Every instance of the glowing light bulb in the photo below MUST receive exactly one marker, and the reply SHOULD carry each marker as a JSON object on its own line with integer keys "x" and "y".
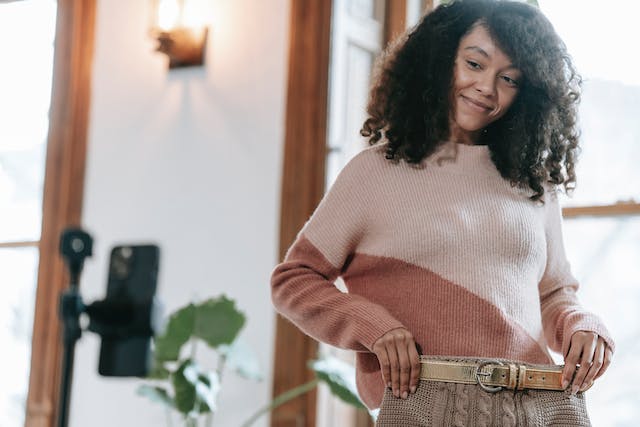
{"x": 193, "y": 14}
{"x": 168, "y": 14}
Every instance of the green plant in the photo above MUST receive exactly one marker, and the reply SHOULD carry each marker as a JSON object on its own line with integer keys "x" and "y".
{"x": 177, "y": 380}
{"x": 182, "y": 385}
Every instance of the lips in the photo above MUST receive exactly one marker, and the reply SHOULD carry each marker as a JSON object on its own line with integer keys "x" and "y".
{"x": 477, "y": 105}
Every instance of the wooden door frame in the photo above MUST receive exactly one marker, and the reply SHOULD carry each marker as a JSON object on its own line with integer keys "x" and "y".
{"x": 62, "y": 197}
{"x": 303, "y": 177}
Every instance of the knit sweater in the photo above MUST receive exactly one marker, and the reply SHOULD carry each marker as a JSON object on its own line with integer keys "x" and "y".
{"x": 447, "y": 249}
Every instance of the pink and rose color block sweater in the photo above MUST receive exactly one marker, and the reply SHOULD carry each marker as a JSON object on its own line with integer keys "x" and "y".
{"x": 448, "y": 250}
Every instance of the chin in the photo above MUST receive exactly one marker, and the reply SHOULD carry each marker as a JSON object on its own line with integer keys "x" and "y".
{"x": 472, "y": 127}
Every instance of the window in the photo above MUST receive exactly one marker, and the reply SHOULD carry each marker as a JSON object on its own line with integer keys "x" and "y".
{"x": 24, "y": 108}
{"x": 602, "y": 219}
{"x": 357, "y": 35}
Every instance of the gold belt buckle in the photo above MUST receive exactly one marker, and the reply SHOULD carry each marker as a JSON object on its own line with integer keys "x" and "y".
{"x": 488, "y": 388}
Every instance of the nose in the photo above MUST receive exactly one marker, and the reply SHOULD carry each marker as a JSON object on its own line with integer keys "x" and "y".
{"x": 486, "y": 85}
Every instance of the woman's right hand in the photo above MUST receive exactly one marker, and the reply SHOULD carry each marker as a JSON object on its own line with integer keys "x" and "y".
{"x": 399, "y": 361}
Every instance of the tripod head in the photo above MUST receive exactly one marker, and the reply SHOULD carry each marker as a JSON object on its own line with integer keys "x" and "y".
{"x": 75, "y": 246}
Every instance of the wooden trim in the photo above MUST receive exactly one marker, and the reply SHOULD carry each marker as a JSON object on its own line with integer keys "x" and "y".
{"x": 395, "y": 19}
{"x": 26, "y": 244}
{"x": 427, "y": 6}
{"x": 618, "y": 209}
{"x": 303, "y": 183}
{"x": 62, "y": 201}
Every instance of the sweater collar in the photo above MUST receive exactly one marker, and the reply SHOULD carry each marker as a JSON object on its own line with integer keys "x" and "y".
{"x": 462, "y": 158}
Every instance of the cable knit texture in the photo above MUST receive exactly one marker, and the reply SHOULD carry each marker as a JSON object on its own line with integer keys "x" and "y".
{"x": 448, "y": 249}
{"x": 437, "y": 404}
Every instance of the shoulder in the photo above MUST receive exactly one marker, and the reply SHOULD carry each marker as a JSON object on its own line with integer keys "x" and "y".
{"x": 371, "y": 154}
{"x": 551, "y": 194}
{"x": 367, "y": 163}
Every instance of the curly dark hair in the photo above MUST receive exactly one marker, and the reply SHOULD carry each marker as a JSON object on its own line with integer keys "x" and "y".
{"x": 410, "y": 101}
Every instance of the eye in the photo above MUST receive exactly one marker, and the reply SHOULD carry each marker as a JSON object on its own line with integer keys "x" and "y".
{"x": 473, "y": 65}
{"x": 510, "y": 81}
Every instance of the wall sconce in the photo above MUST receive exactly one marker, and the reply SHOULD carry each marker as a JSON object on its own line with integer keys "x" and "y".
{"x": 179, "y": 28}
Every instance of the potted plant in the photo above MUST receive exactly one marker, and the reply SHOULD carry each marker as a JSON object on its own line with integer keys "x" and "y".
{"x": 189, "y": 390}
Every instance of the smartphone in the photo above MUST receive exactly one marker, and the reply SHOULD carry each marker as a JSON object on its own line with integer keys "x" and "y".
{"x": 132, "y": 281}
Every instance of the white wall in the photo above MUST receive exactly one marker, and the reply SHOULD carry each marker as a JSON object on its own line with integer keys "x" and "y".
{"x": 190, "y": 159}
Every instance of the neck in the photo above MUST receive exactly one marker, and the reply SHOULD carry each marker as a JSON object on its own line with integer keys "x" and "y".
{"x": 462, "y": 136}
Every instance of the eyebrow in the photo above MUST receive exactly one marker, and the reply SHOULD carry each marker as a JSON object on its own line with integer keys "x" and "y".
{"x": 482, "y": 52}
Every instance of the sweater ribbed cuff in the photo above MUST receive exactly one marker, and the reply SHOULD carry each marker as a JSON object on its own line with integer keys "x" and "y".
{"x": 584, "y": 321}
{"x": 374, "y": 322}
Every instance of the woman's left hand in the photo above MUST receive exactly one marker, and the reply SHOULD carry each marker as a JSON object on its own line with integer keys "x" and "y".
{"x": 594, "y": 356}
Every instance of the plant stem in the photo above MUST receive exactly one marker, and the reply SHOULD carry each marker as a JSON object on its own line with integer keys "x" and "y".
{"x": 222, "y": 359}
{"x": 221, "y": 362}
{"x": 194, "y": 343}
{"x": 282, "y": 398}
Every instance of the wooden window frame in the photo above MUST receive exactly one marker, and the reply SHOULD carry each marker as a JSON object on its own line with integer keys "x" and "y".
{"x": 395, "y": 18}
{"x": 602, "y": 211}
{"x": 62, "y": 197}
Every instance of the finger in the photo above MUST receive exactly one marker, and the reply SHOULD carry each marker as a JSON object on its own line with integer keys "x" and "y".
{"x": 608, "y": 355}
{"x": 394, "y": 368}
{"x": 570, "y": 362}
{"x": 385, "y": 366}
{"x": 414, "y": 357}
{"x": 598, "y": 359}
{"x": 404, "y": 364}
{"x": 588, "y": 349}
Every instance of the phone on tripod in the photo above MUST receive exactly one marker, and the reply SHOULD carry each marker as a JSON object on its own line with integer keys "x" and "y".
{"x": 132, "y": 281}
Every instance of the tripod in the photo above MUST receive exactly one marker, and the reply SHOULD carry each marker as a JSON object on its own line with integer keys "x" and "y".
{"x": 75, "y": 246}
{"x": 125, "y": 320}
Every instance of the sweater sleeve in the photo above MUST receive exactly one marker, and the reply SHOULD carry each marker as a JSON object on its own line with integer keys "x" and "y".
{"x": 302, "y": 286}
{"x": 562, "y": 314}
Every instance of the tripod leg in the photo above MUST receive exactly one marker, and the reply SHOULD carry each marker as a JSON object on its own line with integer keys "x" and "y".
{"x": 70, "y": 308}
{"x": 65, "y": 383}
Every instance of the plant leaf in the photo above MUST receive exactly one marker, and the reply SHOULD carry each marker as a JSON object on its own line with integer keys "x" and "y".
{"x": 241, "y": 358}
{"x": 218, "y": 321}
{"x": 179, "y": 329}
{"x": 156, "y": 394}
{"x": 185, "y": 398}
{"x": 340, "y": 377}
{"x": 206, "y": 387}
{"x": 158, "y": 371}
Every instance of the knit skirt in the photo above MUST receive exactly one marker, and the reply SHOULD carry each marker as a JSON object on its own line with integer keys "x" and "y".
{"x": 447, "y": 404}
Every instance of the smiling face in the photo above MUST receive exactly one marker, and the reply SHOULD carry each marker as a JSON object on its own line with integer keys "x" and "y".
{"x": 485, "y": 84}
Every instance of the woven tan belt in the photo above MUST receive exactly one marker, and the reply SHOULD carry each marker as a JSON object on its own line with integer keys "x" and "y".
{"x": 494, "y": 375}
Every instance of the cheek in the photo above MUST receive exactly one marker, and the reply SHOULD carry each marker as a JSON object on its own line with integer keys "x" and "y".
{"x": 506, "y": 100}
{"x": 462, "y": 80}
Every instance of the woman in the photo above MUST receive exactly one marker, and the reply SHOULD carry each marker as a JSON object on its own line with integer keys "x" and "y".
{"x": 447, "y": 231}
